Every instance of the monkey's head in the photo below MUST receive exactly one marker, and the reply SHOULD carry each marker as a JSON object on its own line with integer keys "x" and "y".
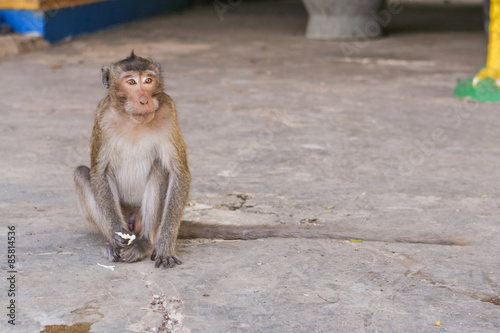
{"x": 134, "y": 85}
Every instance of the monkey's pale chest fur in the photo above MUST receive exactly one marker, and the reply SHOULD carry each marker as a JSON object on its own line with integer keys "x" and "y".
{"x": 131, "y": 166}
{"x": 135, "y": 151}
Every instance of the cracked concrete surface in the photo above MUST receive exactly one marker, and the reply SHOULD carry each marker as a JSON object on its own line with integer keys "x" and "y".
{"x": 280, "y": 130}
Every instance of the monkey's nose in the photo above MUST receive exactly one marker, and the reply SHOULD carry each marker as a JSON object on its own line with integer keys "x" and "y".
{"x": 144, "y": 102}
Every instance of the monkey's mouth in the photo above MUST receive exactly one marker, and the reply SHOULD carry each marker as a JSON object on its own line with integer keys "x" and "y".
{"x": 143, "y": 117}
{"x": 142, "y": 114}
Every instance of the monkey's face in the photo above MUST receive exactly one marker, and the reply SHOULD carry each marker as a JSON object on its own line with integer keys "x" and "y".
{"x": 139, "y": 88}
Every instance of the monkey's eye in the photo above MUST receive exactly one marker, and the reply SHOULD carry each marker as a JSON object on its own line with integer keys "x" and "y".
{"x": 148, "y": 80}
{"x": 131, "y": 81}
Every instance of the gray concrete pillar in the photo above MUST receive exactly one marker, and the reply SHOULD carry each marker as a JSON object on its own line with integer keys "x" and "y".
{"x": 342, "y": 19}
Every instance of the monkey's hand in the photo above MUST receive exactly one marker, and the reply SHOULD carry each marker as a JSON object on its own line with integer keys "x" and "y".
{"x": 165, "y": 260}
{"x": 136, "y": 251}
{"x": 130, "y": 251}
{"x": 112, "y": 252}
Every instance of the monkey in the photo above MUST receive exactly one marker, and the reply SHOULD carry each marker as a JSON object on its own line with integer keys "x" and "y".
{"x": 139, "y": 180}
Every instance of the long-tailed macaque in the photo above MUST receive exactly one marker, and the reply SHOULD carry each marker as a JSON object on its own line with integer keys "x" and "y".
{"x": 138, "y": 181}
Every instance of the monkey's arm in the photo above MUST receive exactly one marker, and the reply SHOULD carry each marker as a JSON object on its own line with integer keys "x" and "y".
{"x": 175, "y": 200}
{"x": 176, "y": 168}
{"x": 102, "y": 180}
{"x": 106, "y": 194}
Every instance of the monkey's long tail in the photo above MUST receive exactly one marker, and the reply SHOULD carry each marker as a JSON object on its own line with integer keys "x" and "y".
{"x": 194, "y": 230}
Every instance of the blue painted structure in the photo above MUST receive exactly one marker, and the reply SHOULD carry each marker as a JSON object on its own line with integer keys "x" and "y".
{"x": 58, "y": 24}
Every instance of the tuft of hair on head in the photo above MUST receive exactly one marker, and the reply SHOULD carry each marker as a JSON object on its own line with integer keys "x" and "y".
{"x": 131, "y": 57}
{"x": 137, "y": 64}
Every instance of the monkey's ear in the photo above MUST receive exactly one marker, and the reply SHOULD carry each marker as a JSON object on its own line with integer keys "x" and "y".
{"x": 105, "y": 72}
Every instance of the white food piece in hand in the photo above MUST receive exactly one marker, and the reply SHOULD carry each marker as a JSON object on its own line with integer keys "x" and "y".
{"x": 125, "y": 236}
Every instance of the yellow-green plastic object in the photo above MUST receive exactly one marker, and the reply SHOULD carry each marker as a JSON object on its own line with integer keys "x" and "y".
{"x": 485, "y": 85}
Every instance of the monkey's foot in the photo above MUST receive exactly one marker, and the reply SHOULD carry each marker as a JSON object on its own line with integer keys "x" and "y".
{"x": 165, "y": 261}
{"x": 135, "y": 252}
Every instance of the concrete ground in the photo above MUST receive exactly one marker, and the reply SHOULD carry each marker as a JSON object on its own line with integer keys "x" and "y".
{"x": 280, "y": 129}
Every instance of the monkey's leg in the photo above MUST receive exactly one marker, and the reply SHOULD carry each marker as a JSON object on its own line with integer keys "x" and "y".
{"x": 101, "y": 193}
{"x": 87, "y": 202}
{"x": 91, "y": 210}
{"x": 175, "y": 201}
